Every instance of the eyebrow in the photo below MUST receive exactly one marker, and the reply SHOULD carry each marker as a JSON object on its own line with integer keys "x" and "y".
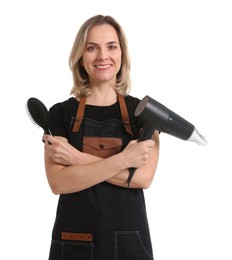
{"x": 108, "y": 43}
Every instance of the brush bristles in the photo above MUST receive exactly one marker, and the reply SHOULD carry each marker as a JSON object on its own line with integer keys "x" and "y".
{"x": 30, "y": 116}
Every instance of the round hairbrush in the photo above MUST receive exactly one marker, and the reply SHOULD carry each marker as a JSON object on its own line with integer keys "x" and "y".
{"x": 38, "y": 113}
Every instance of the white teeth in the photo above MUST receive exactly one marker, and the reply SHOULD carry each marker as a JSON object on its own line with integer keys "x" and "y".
{"x": 103, "y": 66}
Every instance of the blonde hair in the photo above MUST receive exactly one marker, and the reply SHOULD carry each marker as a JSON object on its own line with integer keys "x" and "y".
{"x": 80, "y": 77}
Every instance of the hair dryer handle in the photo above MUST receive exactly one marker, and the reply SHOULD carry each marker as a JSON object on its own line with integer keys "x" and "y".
{"x": 147, "y": 133}
{"x": 131, "y": 174}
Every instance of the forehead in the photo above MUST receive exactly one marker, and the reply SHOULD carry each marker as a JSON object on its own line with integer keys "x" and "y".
{"x": 102, "y": 34}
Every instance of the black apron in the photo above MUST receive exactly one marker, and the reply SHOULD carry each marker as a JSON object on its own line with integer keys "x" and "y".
{"x": 104, "y": 222}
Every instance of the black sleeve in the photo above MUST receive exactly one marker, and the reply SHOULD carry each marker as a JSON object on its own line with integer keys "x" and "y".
{"x": 56, "y": 120}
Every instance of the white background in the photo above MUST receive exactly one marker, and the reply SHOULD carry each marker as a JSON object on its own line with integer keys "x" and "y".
{"x": 181, "y": 56}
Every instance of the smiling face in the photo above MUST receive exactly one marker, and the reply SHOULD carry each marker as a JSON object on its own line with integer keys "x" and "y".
{"x": 102, "y": 55}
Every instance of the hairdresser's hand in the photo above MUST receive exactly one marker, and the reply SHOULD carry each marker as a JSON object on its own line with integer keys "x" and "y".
{"x": 136, "y": 154}
{"x": 60, "y": 150}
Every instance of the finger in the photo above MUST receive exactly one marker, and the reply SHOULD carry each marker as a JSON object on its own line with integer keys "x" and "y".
{"x": 50, "y": 139}
{"x": 48, "y": 142}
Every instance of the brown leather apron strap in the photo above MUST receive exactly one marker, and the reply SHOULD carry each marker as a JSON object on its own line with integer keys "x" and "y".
{"x": 123, "y": 108}
{"x": 80, "y": 114}
{"x": 124, "y": 113}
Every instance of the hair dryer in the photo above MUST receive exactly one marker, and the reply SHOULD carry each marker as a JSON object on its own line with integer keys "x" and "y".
{"x": 155, "y": 116}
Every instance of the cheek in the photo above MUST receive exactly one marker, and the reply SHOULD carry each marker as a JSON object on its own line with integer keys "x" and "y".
{"x": 86, "y": 63}
{"x": 87, "y": 58}
{"x": 119, "y": 64}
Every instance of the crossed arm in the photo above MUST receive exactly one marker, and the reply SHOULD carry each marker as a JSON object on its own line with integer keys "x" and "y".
{"x": 69, "y": 170}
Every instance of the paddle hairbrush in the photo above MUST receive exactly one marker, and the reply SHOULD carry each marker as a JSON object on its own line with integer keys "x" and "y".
{"x": 38, "y": 114}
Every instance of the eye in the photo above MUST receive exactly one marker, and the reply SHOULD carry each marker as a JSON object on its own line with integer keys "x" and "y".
{"x": 112, "y": 47}
{"x": 91, "y": 48}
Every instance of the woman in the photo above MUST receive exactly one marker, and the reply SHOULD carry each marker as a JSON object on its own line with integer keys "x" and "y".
{"x": 94, "y": 143}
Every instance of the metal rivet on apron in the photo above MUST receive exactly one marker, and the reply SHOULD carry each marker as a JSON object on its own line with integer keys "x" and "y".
{"x": 101, "y": 146}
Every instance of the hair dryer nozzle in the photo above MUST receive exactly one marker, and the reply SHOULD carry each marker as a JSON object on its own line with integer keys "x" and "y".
{"x": 197, "y": 138}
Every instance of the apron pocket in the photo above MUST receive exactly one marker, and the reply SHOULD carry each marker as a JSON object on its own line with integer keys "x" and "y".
{"x": 67, "y": 250}
{"x": 125, "y": 242}
{"x": 103, "y": 147}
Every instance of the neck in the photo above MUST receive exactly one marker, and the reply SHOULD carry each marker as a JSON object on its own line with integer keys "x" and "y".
{"x": 100, "y": 97}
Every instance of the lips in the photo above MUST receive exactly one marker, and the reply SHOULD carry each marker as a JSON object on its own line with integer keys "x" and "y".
{"x": 102, "y": 67}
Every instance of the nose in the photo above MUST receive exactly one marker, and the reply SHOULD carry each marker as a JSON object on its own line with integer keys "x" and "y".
{"x": 102, "y": 54}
